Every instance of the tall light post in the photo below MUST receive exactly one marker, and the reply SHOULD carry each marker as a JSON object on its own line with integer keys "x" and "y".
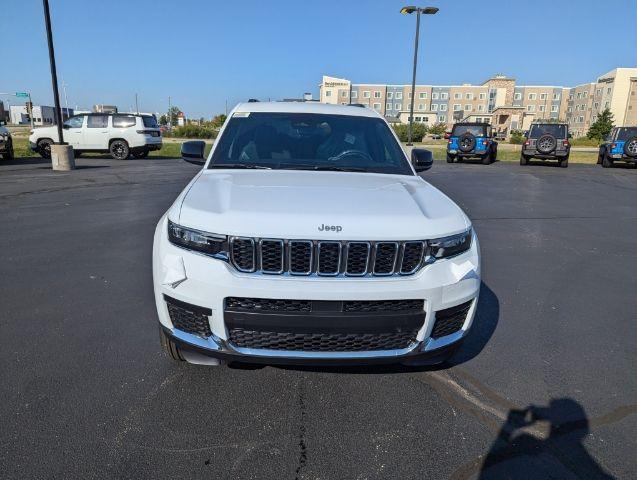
{"x": 418, "y": 11}
{"x": 61, "y": 153}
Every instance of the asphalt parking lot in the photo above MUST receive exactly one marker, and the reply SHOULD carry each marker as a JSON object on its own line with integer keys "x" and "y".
{"x": 87, "y": 392}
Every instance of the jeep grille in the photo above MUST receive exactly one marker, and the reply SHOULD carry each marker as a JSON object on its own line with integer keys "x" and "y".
{"x": 326, "y": 258}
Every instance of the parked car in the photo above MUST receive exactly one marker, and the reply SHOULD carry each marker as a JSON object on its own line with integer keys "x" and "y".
{"x": 120, "y": 134}
{"x": 436, "y": 136}
{"x": 308, "y": 236}
{"x": 500, "y": 136}
{"x": 621, "y": 144}
{"x": 472, "y": 140}
{"x": 6, "y": 143}
{"x": 547, "y": 141}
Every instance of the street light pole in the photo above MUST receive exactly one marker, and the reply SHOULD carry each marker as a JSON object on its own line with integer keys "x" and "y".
{"x": 62, "y": 157}
{"x": 54, "y": 75}
{"x": 418, "y": 11}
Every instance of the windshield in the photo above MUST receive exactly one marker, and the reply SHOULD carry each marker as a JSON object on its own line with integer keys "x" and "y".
{"x": 309, "y": 141}
{"x": 558, "y": 131}
{"x": 626, "y": 133}
{"x": 475, "y": 130}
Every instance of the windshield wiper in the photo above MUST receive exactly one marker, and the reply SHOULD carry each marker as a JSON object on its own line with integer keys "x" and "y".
{"x": 325, "y": 168}
{"x": 240, "y": 165}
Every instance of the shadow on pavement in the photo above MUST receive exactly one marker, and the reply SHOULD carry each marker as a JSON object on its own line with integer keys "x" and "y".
{"x": 484, "y": 324}
{"x": 26, "y": 161}
{"x": 523, "y": 449}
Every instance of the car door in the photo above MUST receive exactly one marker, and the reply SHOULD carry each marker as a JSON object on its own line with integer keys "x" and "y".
{"x": 96, "y": 132}
{"x": 73, "y": 131}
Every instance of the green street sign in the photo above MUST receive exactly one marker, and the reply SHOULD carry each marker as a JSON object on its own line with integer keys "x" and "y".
{"x": 21, "y": 94}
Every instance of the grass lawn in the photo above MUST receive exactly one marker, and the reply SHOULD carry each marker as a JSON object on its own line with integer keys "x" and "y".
{"x": 172, "y": 147}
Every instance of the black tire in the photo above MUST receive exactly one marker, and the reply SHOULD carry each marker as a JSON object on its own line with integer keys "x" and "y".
{"x": 546, "y": 144}
{"x": 119, "y": 149}
{"x": 600, "y": 156}
{"x": 141, "y": 153}
{"x": 450, "y": 158}
{"x": 564, "y": 162}
{"x": 486, "y": 160}
{"x": 466, "y": 142}
{"x": 44, "y": 147}
{"x": 607, "y": 162}
{"x": 524, "y": 160}
{"x": 170, "y": 347}
{"x": 9, "y": 153}
{"x": 630, "y": 147}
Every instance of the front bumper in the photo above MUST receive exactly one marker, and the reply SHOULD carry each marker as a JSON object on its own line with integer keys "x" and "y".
{"x": 206, "y": 282}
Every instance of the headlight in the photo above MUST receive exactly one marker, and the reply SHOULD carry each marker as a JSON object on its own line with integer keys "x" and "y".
{"x": 208, "y": 243}
{"x": 450, "y": 246}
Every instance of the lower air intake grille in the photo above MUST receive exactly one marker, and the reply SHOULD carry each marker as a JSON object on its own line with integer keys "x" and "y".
{"x": 366, "y": 306}
{"x": 321, "y": 342}
{"x": 450, "y": 320}
{"x": 267, "y": 305}
{"x": 188, "y": 318}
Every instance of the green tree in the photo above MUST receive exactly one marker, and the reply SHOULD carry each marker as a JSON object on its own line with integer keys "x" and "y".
{"x": 438, "y": 129}
{"x": 163, "y": 120}
{"x": 402, "y": 130}
{"x": 218, "y": 120}
{"x": 174, "y": 111}
{"x": 517, "y": 137}
{"x": 602, "y": 126}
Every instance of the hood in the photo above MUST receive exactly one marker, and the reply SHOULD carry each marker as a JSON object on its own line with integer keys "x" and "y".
{"x": 318, "y": 205}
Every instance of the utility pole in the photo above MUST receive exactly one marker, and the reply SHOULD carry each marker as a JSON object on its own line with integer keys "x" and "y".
{"x": 61, "y": 154}
{"x": 170, "y": 116}
{"x": 31, "y": 110}
{"x": 66, "y": 100}
{"x": 136, "y": 105}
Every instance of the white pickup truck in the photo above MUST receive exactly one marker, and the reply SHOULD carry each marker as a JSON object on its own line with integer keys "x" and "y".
{"x": 309, "y": 237}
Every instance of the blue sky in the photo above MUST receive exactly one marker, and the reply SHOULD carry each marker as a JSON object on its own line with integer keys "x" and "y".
{"x": 203, "y": 53}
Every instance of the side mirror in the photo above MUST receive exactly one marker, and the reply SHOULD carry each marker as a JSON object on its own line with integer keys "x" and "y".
{"x": 422, "y": 159}
{"x": 193, "y": 152}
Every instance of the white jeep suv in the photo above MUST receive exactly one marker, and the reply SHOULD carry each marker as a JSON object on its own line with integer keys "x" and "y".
{"x": 120, "y": 134}
{"x": 308, "y": 236}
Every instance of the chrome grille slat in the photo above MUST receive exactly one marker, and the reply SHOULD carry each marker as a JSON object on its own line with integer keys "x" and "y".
{"x": 356, "y": 258}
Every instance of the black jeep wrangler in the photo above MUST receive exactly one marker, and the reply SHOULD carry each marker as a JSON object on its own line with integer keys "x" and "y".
{"x": 621, "y": 144}
{"x": 547, "y": 141}
{"x": 472, "y": 140}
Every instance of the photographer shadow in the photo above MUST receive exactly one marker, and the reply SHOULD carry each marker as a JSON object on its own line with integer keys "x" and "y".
{"x": 543, "y": 442}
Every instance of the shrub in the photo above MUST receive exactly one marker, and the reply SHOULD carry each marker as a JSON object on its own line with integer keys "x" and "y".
{"x": 192, "y": 130}
{"x": 517, "y": 137}
{"x": 402, "y": 130}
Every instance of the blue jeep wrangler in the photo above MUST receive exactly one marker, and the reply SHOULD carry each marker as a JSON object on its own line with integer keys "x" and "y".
{"x": 621, "y": 144}
{"x": 472, "y": 140}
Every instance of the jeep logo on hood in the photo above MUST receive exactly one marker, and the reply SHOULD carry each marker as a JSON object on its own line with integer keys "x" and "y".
{"x": 330, "y": 228}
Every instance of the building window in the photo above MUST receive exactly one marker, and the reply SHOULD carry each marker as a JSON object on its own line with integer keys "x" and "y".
{"x": 542, "y": 108}
{"x": 457, "y": 107}
{"x": 444, "y": 96}
{"x": 398, "y": 107}
{"x": 390, "y": 95}
{"x": 388, "y": 106}
{"x": 553, "y": 108}
{"x": 598, "y": 92}
{"x": 399, "y": 95}
{"x": 442, "y": 118}
{"x": 556, "y": 96}
{"x": 443, "y": 107}
{"x": 596, "y": 104}
{"x": 409, "y": 96}
{"x": 532, "y": 96}
{"x": 467, "y": 107}
{"x": 530, "y": 108}
{"x": 417, "y": 119}
{"x": 483, "y": 96}
{"x": 607, "y": 104}
{"x": 608, "y": 90}
{"x": 468, "y": 96}
{"x": 377, "y": 106}
{"x": 570, "y": 96}
{"x": 543, "y": 96}
{"x": 366, "y": 94}
{"x": 423, "y": 95}
{"x": 434, "y": 96}
{"x": 376, "y": 94}
{"x": 517, "y": 96}
{"x": 344, "y": 94}
{"x": 328, "y": 93}
{"x": 581, "y": 119}
{"x": 421, "y": 106}
{"x": 434, "y": 107}
{"x": 457, "y": 96}
{"x": 480, "y": 108}
{"x": 354, "y": 94}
